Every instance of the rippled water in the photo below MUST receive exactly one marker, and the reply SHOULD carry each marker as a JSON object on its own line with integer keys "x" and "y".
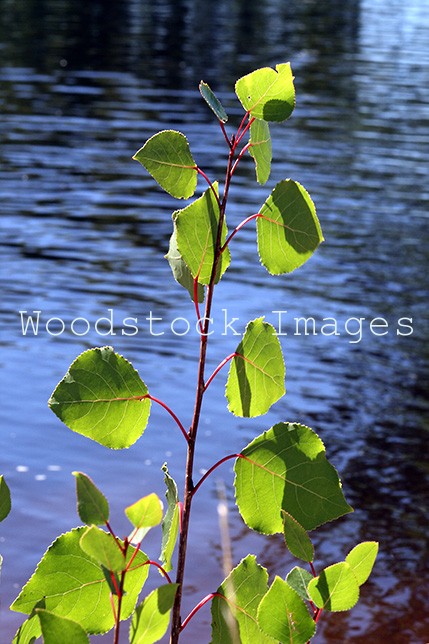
{"x": 84, "y": 232}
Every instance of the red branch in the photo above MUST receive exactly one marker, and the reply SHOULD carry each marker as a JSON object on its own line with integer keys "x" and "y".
{"x": 222, "y": 126}
{"x": 218, "y": 368}
{"x": 212, "y": 188}
{"x": 212, "y": 469}
{"x": 200, "y": 604}
{"x": 240, "y": 225}
{"x": 171, "y": 412}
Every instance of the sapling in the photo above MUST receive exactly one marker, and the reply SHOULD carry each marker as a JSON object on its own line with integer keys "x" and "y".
{"x": 89, "y": 580}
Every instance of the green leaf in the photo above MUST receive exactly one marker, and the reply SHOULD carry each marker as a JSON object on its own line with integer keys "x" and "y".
{"x": 103, "y": 548}
{"x": 70, "y": 581}
{"x": 288, "y": 229}
{"x": 181, "y": 272}
{"x": 234, "y": 616}
{"x": 29, "y": 631}
{"x": 285, "y": 468}
{"x": 170, "y": 522}
{"x": 197, "y": 226}
{"x": 296, "y": 538}
{"x": 5, "y": 502}
{"x": 335, "y": 589}
{"x": 103, "y": 397}
{"x": 92, "y": 505}
{"x": 260, "y": 148}
{"x": 57, "y": 629}
{"x": 151, "y": 618}
{"x": 268, "y": 94}
{"x": 213, "y": 102}
{"x": 257, "y": 372}
{"x": 298, "y": 579}
{"x": 361, "y": 560}
{"x": 145, "y": 513}
{"x": 283, "y": 615}
{"x": 167, "y": 157}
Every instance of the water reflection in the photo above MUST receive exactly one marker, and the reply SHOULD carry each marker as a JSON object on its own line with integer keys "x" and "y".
{"x": 83, "y": 231}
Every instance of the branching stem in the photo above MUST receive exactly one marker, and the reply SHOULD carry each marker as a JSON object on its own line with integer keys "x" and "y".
{"x": 189, "y": 487}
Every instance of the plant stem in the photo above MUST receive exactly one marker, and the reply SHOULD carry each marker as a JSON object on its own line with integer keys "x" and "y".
{"x": 212, "y": 469}
{"x": 171, "y": 412}
{"x": 240, "y": 225}
{"x": 176, "y": 625}
{"x": 120, "y": 595}
{"x": 218, "y": 368}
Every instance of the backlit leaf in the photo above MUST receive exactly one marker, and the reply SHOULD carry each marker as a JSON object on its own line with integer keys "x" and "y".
{"x": 285, "y": 468}
{"x": 257, "y": 372}
{"x": 145, "y": 513}
{"x": 92, "y": 505}
{"x": 297, "y": 539}
{"x": 288, "y": 230}
{"x": 102, "y": 397}
{"x": 283, "y": 615}
{"x": 361, "y": 560}
{"x": 213, "y": 102}
{"x": 234, "y": 616}
{"x": 5, "y": 502}
{"x": 181, "y": 272}
{"x": 151, "y": 618}
{"x": 298, "y": 579}
{"x": 167, "y": 157}
{"x": 103, "y": 548}
{"x": 30, "y": 630}
{"x": 197, "y": 226}
{"x": 335, "y": 589}
{"x": 70, "y": 581}
{"x": 268, "y": 94}
{"x": 57, "y": 629}
{"x": 170, "y": 522}
{"x": 261, "y": 149}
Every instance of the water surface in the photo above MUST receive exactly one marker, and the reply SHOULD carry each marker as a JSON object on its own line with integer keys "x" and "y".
{"x": 84, "y": 231}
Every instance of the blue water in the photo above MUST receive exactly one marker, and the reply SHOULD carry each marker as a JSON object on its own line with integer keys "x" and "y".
{"x": 84, "y": 230}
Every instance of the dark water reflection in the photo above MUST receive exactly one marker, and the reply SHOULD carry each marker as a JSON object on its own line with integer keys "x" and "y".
{"x": 83, "y": 232}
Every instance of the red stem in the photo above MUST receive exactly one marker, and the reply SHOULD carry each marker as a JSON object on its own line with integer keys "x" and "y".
{"x": 222, "y": 126}
{"x": 212, "y": 469}
{"x": 240, "y": 156}
{"x": 112, "y": 603}
{"x": 176, "y": 625}
{"x": 200, "y": 604}
{"x": 197, "y": 308}
{"x": 203, "y": 174}
{"x": 172, "y": 414}
{"x": 160, "y": 568}
{"x": 318, "y": 614}
{"x": 218, "y": 368}
{"x": 243, "y": 120}
{"x": 240, "y": 136}
{"x": 120, "y": 595}
{"x": 107, "y": 524}
{"x": 235, "y": 231}
{"x": 113, "y": 578}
